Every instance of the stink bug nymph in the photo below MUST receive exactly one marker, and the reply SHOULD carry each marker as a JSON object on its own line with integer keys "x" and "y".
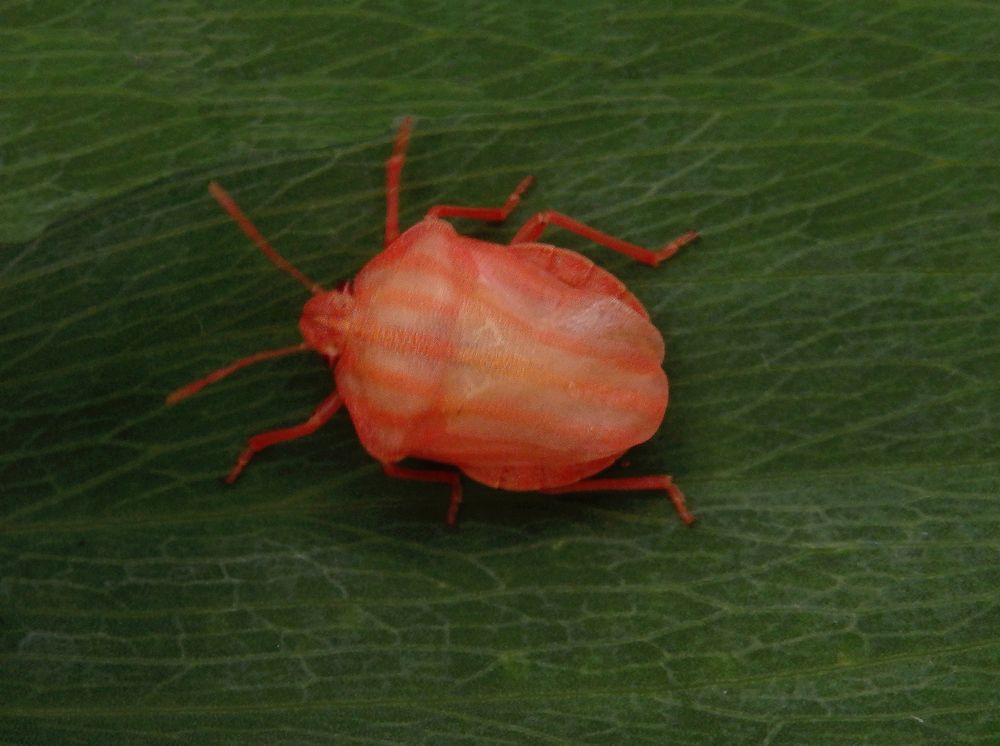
{"x": 525, "y": 366}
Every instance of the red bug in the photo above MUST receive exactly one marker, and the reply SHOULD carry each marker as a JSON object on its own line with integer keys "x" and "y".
{"x": 526, "y": 366}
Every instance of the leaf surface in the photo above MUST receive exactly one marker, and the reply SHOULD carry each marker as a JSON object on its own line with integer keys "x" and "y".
{"x": 833, "y": 356}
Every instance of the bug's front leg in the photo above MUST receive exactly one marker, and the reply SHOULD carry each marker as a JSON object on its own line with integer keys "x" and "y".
{"x": 320, "y": 417}
{"x": 432, "y": 475}
{"x": 631, "y": 484}
{"x": 217, "y": 375}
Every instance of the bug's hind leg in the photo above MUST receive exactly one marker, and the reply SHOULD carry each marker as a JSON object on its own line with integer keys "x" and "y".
{"x": 486, "y": 214}
{"x": 534, "y": 227}
{"x": 630, "y": 484}
{"x": 259, "y": 442}
{"x": 432, "y": 475}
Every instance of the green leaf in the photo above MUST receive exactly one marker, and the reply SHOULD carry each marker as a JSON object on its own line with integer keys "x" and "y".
{"x": 834, "y": 415}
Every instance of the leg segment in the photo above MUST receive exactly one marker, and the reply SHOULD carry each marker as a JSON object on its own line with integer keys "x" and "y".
{"x": 487, "y": 214}
{"x": 393, "y": 171}
{"x": 534, "y": 227}
{"x": 629, "y": 484}
{"x": 259, "y": 442}
{"x": 195, "y": 386}
{"x": 435, "y": 475}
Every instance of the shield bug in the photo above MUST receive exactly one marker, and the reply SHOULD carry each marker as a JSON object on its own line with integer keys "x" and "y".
{"x": 525, "y": 366}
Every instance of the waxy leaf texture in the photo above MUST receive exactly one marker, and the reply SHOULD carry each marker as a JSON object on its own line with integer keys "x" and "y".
{"x": 833, "y": 354}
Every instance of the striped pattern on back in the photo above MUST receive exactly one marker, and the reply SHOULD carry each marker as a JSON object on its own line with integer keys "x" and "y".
{"x": 468, "y": 353}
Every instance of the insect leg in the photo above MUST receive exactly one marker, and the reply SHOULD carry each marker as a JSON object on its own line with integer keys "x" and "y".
{"x": 195, "y": 386}
{"x": 259, "y": 442}
{"x": 488, "y": 214}
{"x": 434, "y": 475}
{"x": 393, "y": 172}
{"x": 534, "y": 227}
{"x": 630, "y": 484}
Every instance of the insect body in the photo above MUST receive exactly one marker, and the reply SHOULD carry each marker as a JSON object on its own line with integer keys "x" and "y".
{"x": 526, "y": 366}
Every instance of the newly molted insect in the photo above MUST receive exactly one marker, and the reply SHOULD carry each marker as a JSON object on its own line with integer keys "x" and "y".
{"x": 526, "y": 366}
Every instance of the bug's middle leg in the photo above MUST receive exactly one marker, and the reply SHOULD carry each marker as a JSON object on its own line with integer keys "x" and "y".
{"x": 432, "y": 475}
{"x": 534, "y": 227}
{"x": 486, "y": 214}
{"x": 327, "y": 408}
{"x": 631, "y": 484}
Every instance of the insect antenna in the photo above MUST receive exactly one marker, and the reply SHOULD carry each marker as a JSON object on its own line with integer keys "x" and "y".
{"x": 229, "y": 205}
{"x": 195, "y": 386}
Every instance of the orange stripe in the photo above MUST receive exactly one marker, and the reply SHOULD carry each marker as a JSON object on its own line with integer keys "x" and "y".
{"x": 387, "y": 378}
{"x": 573, "y": 344}
{"x": 496, "y": 411}
{"x": 502, "y": 365}
{"x": 576, "y": 428}
{"x": 500, "y": 412}
{"x": 472, "y": 448}
{"x": 557, "y": 429}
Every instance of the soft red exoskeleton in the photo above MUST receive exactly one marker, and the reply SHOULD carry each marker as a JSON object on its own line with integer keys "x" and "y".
{"x": 526, "y": 366}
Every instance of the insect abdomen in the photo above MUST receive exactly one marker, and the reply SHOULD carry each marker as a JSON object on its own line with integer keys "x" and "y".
{"x": 465, "y": 353}
{"x": 546, "y": 375}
